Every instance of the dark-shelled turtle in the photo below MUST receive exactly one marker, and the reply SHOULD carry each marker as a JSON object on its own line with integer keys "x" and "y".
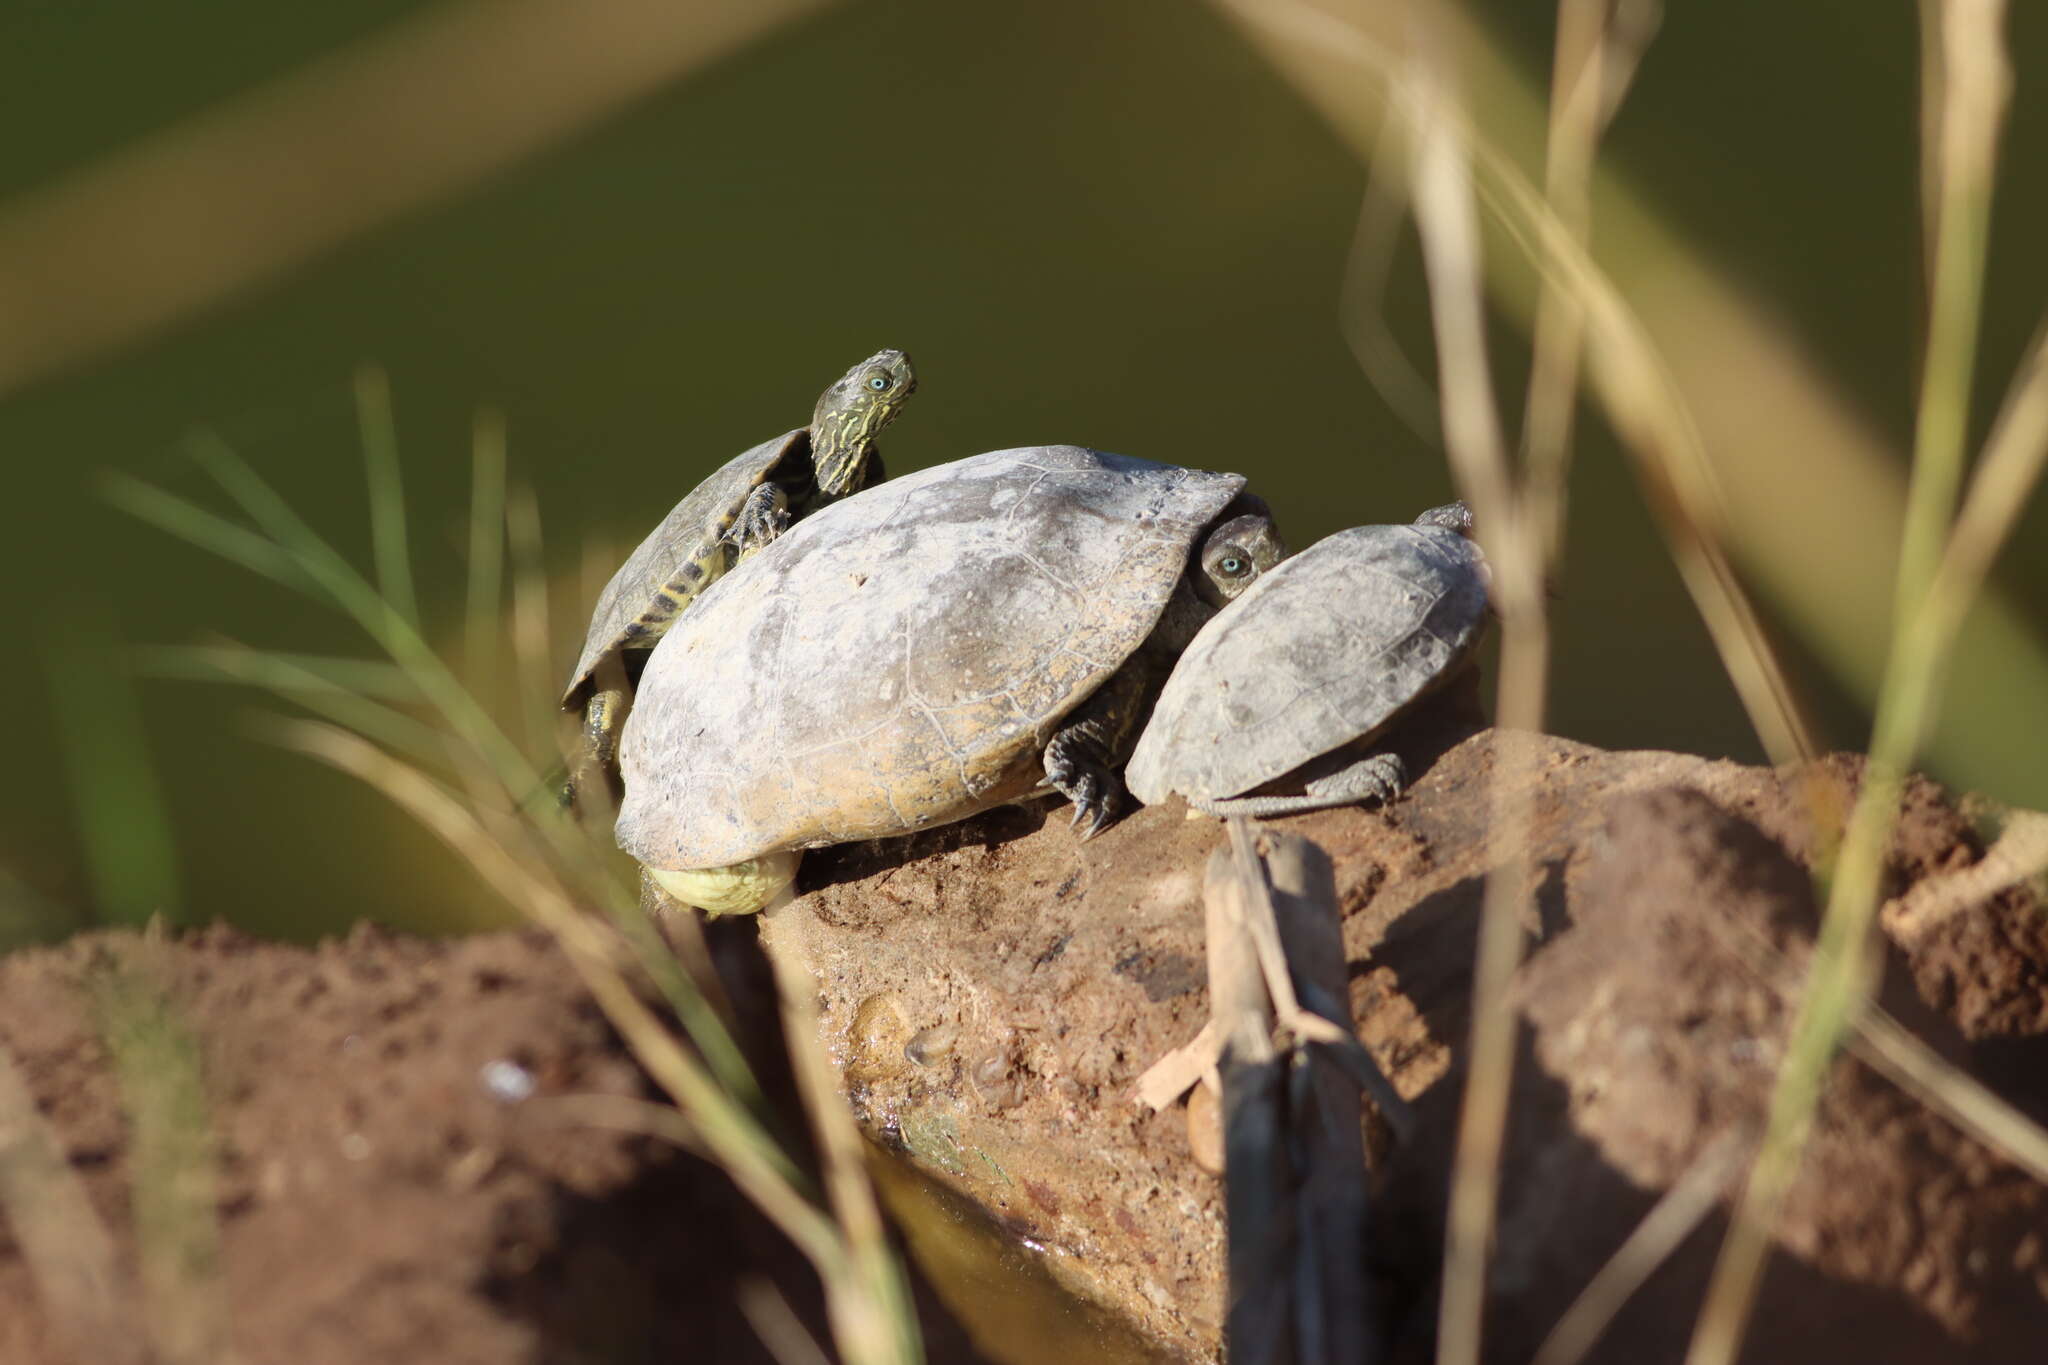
{"x": 743, "y": 506}
{"x": 944, "y": 643}
{"x": 1290, "y": 688}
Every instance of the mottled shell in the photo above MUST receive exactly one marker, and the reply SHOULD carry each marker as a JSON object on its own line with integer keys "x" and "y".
{"x": 1326, "y": 648}
{"x": 688, "y": 532}
{"x": 899, "y": 659}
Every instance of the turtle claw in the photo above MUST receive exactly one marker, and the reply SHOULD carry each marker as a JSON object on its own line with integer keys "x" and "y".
{"x": 1072, "y": 767}
{"x": 1105, "y": 815}
{"x": 764, "y": 516}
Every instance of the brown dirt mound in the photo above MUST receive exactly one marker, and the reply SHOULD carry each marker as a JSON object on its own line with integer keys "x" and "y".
{"x": 991, "y": 992}
{"x": 378, "y": 1201}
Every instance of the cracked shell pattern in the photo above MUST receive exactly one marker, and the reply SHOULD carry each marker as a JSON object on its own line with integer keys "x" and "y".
{"x": 899, "y": 659}
{"x": 690, "y": 531}
{"x": 1328, "y": 647}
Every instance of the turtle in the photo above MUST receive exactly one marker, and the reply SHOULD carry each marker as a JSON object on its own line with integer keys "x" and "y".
{"x": 1292, "y": 686}
{"x": 744, "y": 505}
{"x": 958, "y": 638}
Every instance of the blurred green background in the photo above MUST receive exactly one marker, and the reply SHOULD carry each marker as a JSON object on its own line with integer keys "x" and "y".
{"x": 1103, "y": 222}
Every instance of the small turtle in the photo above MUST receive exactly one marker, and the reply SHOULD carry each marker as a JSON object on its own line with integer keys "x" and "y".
{"x": 740, "y": 508}
{"x": 947, "y": 642}
{"x": 1292, "y": 686}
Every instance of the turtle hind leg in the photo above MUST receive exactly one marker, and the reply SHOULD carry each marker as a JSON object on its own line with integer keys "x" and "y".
{"x": 1376, "y": 777}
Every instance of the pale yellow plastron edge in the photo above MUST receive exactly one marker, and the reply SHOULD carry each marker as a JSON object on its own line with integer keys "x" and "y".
{"x": 740, "y": 889}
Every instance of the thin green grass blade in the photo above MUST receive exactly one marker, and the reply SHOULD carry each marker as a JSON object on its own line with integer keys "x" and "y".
{"x": 355, "y": 595}
{"x": 190, "y": 522}
{"x": 486, "y": 545}
{"x": 131, "y": 856}
{"x": 173, "y": 1164}
{"x": 700, "y": 1021}
{"x": 286, "y": 677}
{"x": 387, "y": 491}
{"x": 308, "y": 672}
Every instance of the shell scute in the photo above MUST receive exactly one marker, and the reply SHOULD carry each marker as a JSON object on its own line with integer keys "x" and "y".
{"x": 1326, "y": 649}
{"x": 628, "y": 609}
{"x": 898, "y": 659}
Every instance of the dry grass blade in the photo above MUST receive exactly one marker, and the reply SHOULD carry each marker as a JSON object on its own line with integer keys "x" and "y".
{"x": 2005, "y": 478}
{"x": 622, "y": 1114}
{"x": 1913, "y": 1067}
{"x": 761, "y": 1171}
{"x": 1975, "y": 83}
{"x": 2021, "y": 852}
{"x": 1972, "y": 87}
{"x": 1344, "y": 1049}
{"x": 772, "y": 1319}
{"x": 1683, "y": 1207}
{"x": 67, "y": 1249}
{"x": 1885, "y": 1045}
{"x": 270, "y": 179}
{"x": 1642, "y": 400}
{"x": 1382, "y": 213}
{"x": 1646, "y": 409}
{"x": 1257, "y": 1213}
{"x": 1447, "y": 222}
{"x": 547, "y": 868}
{"x": 865, "y": 1293}
{"x": 1599, "y": 44}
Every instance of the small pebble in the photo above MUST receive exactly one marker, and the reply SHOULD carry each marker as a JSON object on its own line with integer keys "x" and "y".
{"x": 931, "y": 1045}
{"x": 1205, "y": 1128}
{"x": 506, "y": 1080}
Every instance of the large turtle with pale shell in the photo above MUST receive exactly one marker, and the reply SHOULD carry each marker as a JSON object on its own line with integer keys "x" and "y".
{"x": 955, "y": 639}
{"x": 1280, "y": 703}
{"x": 743, "y": 506}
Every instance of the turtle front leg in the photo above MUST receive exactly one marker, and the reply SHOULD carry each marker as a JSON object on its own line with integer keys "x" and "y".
{"x": 1085, "y": 757}
{"x": 1376, "y": 777}
{"x": 763, "y": 516}
{"x": 604, "y": 715}
{"x": 1077, "y": 762}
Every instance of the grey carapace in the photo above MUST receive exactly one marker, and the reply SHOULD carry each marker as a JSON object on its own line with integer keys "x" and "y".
{"x": 740, "y": 508}
{"x": 1280, "y": 702}
{"x": 941, "y": 644}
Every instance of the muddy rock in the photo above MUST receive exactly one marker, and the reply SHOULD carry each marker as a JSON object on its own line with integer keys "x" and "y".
{"x": 401, "y": 1174}
{"x": 993, "y": 991}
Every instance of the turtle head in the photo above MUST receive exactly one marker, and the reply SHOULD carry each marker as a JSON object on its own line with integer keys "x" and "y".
{"x": 1238, "y": 551}
{"x": 852, "y": 413}
{"x": 1452, "y": 516}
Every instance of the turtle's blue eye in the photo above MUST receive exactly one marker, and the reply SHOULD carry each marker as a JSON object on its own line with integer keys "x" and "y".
{"x": 878, "y": 381}
{"x": 1230, "y": 566}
